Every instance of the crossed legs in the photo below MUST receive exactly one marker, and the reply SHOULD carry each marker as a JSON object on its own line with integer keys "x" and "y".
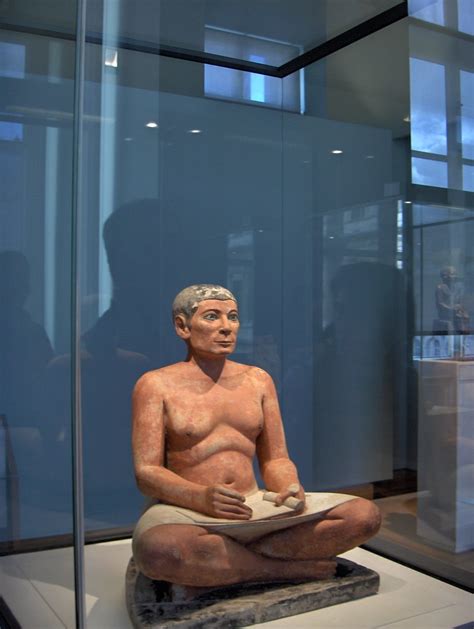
{"x": 193, "y": 556}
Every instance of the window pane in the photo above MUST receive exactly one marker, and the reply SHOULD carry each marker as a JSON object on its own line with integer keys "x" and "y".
{"x": 246, "y": 86}
{"x": 466, "y": 16}
{"x": 467, "y": 114}
{"x": 468, "y": 177}
{"x": 428, "y": 172}
{"x": 428, "y": 107}
{"x": 427, "y": 10}
{"x": 12, "y": 60}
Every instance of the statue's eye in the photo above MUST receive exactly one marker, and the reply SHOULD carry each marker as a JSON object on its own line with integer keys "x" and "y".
{"x": 210, "y": 316}
{"x": 233, "y": 317}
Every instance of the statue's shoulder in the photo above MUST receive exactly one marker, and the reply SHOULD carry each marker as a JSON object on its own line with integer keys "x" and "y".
{"x": 258, "y": 376}
{"x": 157, "y": 379}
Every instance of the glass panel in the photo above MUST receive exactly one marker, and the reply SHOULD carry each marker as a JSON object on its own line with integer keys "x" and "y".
{"x": 427, "y": 10}
{"x": 428, "y": 107}
{"x": 428, "y": 172}
{"x": 298, "y": 25}
{"x": 441, "y": 100}
{"x": 466, "y": 16}
{"x": 36, "y": 117}
{"x": 468, "y": 177}
{"x": 467, "y": 114}
{"x": 379, "y": 353}
{"x": 179, "y": 189}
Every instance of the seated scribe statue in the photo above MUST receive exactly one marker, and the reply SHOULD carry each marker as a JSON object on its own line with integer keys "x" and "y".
{"x": 452, "y": 316}
{"x": 197, "y": 426}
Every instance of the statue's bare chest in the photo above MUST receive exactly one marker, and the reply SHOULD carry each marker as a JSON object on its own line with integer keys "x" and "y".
{"x": 194, "y": 412}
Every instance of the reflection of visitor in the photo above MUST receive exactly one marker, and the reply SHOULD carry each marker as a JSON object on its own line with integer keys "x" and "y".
{"x": 24, "y": 346}
{"x": 115, "y": 352}
{"x": 24, "y": 353}
{"x": 131, "y": 238}
{"x": 452, "y": 316}
{"x": 359, "y": 374}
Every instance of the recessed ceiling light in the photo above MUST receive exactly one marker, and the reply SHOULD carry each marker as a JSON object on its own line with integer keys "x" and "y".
{"x": 128, "y": 139}
{"x": 111, "y": 57}
{"x": 151, "y": 124}
{"x": 369, "y": 157}
{"x": 337, "y": 152}
{"x": 408, "y": 202}
{"x": 195, "y": 131}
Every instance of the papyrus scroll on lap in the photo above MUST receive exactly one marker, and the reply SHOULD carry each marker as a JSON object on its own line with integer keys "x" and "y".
{"x": 266, "y": 517}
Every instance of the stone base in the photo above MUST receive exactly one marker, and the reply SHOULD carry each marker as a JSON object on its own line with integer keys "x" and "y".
{"x": 150, "y": 603}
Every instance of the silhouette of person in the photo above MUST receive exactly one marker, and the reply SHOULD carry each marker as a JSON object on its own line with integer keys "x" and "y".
{"x": 358, "y": 366}
{"x": 115, "y": 352}
{"x": 452, "y": 316}
{"x": 24, "y": 353}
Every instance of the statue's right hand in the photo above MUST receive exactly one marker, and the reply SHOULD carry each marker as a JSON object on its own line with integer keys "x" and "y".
{"x": 222, "y": 502}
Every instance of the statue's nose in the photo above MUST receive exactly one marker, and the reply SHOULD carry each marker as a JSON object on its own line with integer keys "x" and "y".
{"x": 225, "y": 327}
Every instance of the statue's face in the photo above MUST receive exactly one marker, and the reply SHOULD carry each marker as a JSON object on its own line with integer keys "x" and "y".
{"x": 214, "y": 327}
{"x": 450, "y": 275}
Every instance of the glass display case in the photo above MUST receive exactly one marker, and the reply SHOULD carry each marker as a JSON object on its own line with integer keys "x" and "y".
{"x": 330, "y": 188}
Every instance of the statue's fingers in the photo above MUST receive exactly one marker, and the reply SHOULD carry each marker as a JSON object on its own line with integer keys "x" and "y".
{"x": 280, "y": 498}
{"x": 226, "y": 501}
{"x": 234, "y": 512}
{"x": 231, "y": 493}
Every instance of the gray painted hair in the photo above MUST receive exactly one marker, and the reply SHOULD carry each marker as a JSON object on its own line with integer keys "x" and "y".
{"x": 187, "y": 300}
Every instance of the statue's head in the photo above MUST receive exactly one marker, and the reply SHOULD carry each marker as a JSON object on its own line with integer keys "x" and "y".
{"x": 448, "y": 274}
{"x": 206, "y": 317}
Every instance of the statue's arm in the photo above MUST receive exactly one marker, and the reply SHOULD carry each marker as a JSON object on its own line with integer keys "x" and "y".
{"x": 153, "y": 478}
{"x": 148, "y": 445}
{"x": 278, "y": 472}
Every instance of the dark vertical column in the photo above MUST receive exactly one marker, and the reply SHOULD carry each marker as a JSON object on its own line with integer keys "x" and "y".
{"x": 78, "y": 497}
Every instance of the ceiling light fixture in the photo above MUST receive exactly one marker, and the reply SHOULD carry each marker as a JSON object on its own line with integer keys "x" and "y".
{"x": 152, "y": 125}
{"x": 111, "y": 57}
{"x": 337, "y": 152}
{"x": 195, "y": 131}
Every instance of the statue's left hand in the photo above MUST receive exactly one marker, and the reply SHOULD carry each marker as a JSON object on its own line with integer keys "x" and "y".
{"x": 292, "y": 490}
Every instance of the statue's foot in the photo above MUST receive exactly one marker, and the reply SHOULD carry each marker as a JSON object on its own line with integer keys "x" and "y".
{"x": 187, "y": 593}
{"x": 308, "y": 570}
{"x": 322, "y": 568}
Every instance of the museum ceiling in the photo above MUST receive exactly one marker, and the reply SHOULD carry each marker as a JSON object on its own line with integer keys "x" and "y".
{"x": 187, "y": 28}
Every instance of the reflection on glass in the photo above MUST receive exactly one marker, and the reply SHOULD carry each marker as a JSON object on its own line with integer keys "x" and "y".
{"x": 12, "y": 60}
{"x": 428, "y": 107}
{"x": 467, "y": 115}
{"x": 241, "y": 282}
{"x": 231, "y": 84}
{"x": 35, "y": 317}
{"x": 449, "y": 296}
{"x": 427, "y": 10}
{"x": 468, "y": 177}
{"x": 466, "y": 16}
{"x": 429, "y": 172}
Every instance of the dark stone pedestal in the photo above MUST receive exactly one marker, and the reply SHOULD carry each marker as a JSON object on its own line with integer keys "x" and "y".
{"x": 149, "y": 602}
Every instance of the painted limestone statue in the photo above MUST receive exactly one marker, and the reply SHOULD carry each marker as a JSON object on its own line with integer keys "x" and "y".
{"x": 197, "y": 426}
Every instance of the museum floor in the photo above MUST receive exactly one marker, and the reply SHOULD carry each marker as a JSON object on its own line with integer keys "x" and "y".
{"x": 407, "y": 598}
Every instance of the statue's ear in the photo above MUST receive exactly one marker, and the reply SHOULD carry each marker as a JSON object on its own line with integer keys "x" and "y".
{"x": 181, "y": 326}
